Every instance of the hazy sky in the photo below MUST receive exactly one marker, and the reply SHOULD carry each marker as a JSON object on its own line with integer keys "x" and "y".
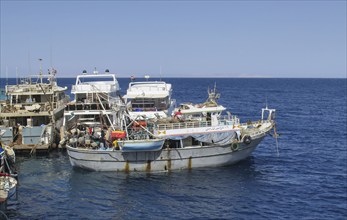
{"x": 185, "y": 38}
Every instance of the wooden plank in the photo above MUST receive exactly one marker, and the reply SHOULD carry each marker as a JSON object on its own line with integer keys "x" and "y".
{"x": 19, "y": 147}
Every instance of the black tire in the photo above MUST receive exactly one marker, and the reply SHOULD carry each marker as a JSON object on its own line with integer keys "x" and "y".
{"x": 235, "y": 146}
{"x": 247, "y": 139}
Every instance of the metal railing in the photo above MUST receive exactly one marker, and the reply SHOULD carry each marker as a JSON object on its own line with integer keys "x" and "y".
{"x": 182, "y": 125}
{"x": 93, "y": 88}
{"x": 196, "y": 124}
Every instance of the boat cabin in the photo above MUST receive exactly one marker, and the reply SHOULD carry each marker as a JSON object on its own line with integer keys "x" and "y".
{"x": 149, "y": 98}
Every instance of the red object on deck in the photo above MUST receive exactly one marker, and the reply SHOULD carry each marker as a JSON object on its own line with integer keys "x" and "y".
{"x": 118, "y": 134}
{"x": 140, "y": 123}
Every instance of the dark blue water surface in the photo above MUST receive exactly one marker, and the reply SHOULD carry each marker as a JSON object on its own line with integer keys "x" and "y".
{"x": 308, "y": 180}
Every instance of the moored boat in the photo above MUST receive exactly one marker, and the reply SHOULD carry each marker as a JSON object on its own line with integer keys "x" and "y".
{"x": 149, "y": 99}
{"x": 8, "y": 175}
{"x": 197, "y": 142}
{"x": 170, "y": 157}
{"x": 7, "y": 187}
{"x": 32, "y": 112}
{"x": 95, "y": 97}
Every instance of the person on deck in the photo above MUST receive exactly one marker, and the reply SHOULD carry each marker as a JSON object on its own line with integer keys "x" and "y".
{"x": 178, "y": 114}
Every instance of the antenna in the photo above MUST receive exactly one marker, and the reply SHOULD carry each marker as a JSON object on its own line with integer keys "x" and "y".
{"x": 40, "y": 60}
{"x": 6, "y": 75}
{"x": 160, "y": 73}
{"x": 266, "y": 102}
{"x": 29, "y": 66}
{"x": 16, "y": 75}
{"x": 50, "y": 55}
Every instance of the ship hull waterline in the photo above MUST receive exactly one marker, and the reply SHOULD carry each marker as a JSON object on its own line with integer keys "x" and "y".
{"x": 163, "y": 160}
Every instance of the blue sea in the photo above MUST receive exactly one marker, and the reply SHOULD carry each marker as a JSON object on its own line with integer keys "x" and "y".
{"x": 307, "y": 180}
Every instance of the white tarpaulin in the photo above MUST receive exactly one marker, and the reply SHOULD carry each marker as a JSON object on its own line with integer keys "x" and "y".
{"x": 219, "y": 138}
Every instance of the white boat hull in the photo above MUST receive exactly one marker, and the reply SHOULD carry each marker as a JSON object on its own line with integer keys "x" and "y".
{"x": 163, "y": 160}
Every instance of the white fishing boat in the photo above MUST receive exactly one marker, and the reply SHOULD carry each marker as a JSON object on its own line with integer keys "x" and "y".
{"x": 32, "y": 111}
{"x": 149, "y": 99}
{"x": 193, "y": 143}
{"x": 95, "y": 97}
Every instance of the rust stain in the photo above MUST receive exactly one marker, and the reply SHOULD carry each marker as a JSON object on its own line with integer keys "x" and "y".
{"x": 190, "y": 163}
{"x": 126, "y": 168}
{"x": 169, "y": 164}
{"x": 148, "y": 166}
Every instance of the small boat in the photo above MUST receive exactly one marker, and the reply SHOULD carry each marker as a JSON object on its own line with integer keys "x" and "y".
{"x": 7, "y": 187}
{"x": 141, "y": 145}
{"x": 8, "y": 174}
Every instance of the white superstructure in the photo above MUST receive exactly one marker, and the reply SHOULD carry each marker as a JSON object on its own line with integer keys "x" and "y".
{"x": 149, "y": 99}
{"x": 33, "y": 109}
{"x": 95, "y": 96}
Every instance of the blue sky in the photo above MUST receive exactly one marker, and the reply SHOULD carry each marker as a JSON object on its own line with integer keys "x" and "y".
{"x": 184, "y": 38}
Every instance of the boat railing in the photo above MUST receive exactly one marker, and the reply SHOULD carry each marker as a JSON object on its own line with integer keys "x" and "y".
{"x": 230, "y": 119}
{"x": 96, "y": 88}
{"x": 87, "y": 106}
{"x": 196, "y": 124}
{"x": 25, "y": 106}
{"x": 182, "y": 125}
{"x": 256, "y": 125}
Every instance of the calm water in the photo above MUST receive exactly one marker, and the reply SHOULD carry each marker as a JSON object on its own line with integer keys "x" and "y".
{"x": 308, "y": 180}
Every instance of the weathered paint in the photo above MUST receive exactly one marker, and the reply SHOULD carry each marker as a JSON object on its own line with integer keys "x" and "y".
{"x": 148, "y": 166}
{"x": 126, "y": 168}
{"x": 169, "y": 164}
{"x": 190, "y": 163}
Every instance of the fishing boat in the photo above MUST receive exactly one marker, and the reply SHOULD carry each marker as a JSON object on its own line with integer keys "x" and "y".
{"x": 95, "y": 97}
{"x": 187, "y": 144}
{"x": 149, "y": 99}
{"x": 32, "y": 112}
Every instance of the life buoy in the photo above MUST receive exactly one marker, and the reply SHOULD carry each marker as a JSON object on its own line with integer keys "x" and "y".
{"x": 247, "y": 139}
